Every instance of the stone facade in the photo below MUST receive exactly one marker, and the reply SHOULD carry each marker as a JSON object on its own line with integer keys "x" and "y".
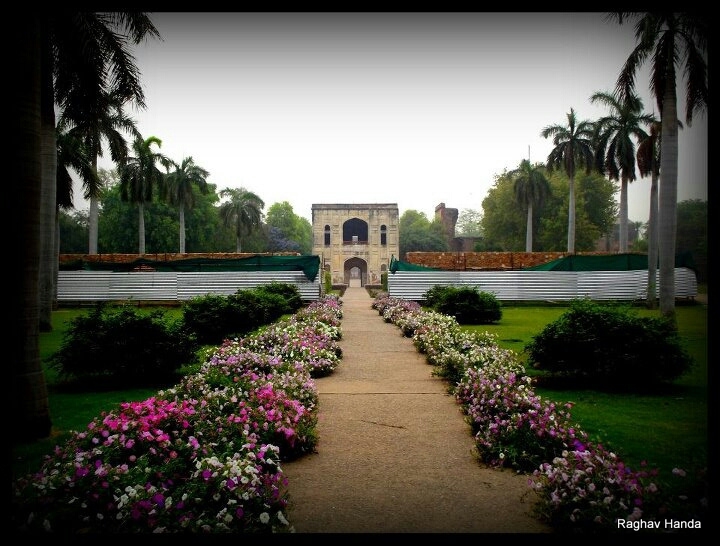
{"x": 355, "y": 242}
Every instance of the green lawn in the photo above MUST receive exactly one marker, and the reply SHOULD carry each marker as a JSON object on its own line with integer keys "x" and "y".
{"x": 666, "y": 431}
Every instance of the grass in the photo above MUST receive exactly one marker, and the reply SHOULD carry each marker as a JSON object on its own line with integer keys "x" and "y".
{"x": 667, "y": 431}
{"x": 664, "y": 430}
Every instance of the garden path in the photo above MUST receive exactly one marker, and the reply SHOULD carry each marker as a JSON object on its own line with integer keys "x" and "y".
{"x": 394, "y": 453}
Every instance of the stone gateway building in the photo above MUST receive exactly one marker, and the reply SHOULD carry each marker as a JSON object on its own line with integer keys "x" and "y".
{"x": 355, "y": 242}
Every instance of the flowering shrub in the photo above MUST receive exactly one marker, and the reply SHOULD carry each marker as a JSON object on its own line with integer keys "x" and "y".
{"x": 204, "y": 456}
{"x": 579, "y": 486}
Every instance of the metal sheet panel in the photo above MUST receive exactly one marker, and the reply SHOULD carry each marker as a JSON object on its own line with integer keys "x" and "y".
{"x": 539, "y": 285}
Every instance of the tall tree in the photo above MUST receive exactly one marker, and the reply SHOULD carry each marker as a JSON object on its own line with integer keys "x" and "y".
{"x": 140, "y": 177}
{"x": 54, "y": 51}
{"x": 180, "y": 192}
{"x": 616, "y": 135}
{"x": 674, "y": 42}
{"x": 108, "y": 125}
{"x": 531, "y": 188}
{"x": 573, "y": 149}
{"x": 419, "y": 234}
{"x": 291, "y": 227}
{"x": 243, "y": 211}
{"x": 31, "y": 412}
{"x": 648, "y": 160}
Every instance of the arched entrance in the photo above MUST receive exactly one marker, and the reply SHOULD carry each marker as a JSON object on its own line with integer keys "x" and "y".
{"x": 355, "y": 270}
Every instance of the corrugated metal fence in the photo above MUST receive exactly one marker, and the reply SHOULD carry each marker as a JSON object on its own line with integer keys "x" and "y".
{"x": 539, "y": 285}
{"x": 156, "y": 286}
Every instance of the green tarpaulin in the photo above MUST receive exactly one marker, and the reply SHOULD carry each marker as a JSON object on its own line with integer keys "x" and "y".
{"x": 610, "y": 262}
{"x": 397, "y": 265}
{"x": 309, "y": 265}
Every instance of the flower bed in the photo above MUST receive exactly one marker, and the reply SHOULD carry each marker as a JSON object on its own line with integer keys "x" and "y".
{"x": 204, "y": 456}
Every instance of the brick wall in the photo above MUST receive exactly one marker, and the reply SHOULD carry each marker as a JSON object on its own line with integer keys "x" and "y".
{"x": 162, "y": 257}
{"x": 487, "y": 261}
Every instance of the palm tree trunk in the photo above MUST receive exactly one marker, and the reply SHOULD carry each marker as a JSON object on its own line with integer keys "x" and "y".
{"x": 29, "y": 397}
{"x": 571, "y": 217}
{"x": 93, "y": 219}
{"x": 182, "y": 229}
{"x": 667, "y": 198}
{"x": 623, "y": 232}
{"x": 48, "y": 196}
{"x": 141, "y": 229}
{"x": 93, "y": 225}
{"x": 651, "y": 300}
{"x": 529, "y": 229}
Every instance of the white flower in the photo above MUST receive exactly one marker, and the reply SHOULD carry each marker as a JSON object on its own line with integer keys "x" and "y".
{"x": 264, "y": 517}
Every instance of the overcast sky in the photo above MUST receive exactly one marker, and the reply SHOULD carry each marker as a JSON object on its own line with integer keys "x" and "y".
{"x": 408, "y": 108}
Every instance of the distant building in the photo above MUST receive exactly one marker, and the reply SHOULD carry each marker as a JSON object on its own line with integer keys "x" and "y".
{"x": 448, "y": 218}
{"x": 356, "y": 241}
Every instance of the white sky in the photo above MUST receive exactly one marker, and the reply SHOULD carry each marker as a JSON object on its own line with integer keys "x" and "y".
{"x": 407, "y": 108}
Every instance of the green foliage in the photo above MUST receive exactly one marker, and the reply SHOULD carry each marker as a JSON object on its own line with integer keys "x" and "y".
{"x": 293, "y": 227}
{"x": 384, "y": 281}
{"x": 327, "y": 279}
{"x": 606, "y": 346}
{"x": 214, "y": 318}
{"x": 504, "y": 221}
{"x": 418, "y": 234}
{"x": 123, "y": 347}
{"x": 467, "y": 304}
{"x": 73, "y": 232}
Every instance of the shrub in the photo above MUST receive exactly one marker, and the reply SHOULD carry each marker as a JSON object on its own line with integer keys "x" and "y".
{"x": 209, "y": 317}
{"x": 606, "y": 346}
{"x": 214, "y": 318}
{"x": 467, "y": 304}
{"x": 287, "y": 291}
{"x": 124, "y": 346}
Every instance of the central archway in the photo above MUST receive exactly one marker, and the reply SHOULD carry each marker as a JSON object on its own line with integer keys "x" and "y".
{"x": 355, "y": 272}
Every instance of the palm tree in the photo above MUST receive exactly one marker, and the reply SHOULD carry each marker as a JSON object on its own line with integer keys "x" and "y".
{"x": 180, "y": 190}
{"x": 648, "y": 159}
{"x": 672, "y": 41}
{"x": 243, "y": 211}
{"x": 531, "y": 188}
{"x": 53, "y": 52}
{"x": 573, "y": 149}
{"x": 615, "y": 136}
{"x": 140, "y": 176}
{"x": 107, "y": 125}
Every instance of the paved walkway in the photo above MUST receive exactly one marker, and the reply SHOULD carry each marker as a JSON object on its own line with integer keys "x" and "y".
{"x": 394, "y": 453}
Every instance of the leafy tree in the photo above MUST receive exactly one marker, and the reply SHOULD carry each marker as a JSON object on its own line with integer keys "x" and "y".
{"x": 503, "y": 223}
{"x": 106, "y": 125}
{"x": 289, "y": 228}
{"x": 531, "y": 188}
{"x": 672, "y": 41}
{"x": 140, "y": 176}
{"x": 692, "y": 233}
{"x": 243, "y": 211}
{"x": 180, "y": 190}
{"x": 469, "y": 223}
{"x": 504, "y": 226}
{"x": 573, "y": 148}
{"x": 418, "y": 234}
{"x": 73, "y": 232}
{"x": 616, "y": 135}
